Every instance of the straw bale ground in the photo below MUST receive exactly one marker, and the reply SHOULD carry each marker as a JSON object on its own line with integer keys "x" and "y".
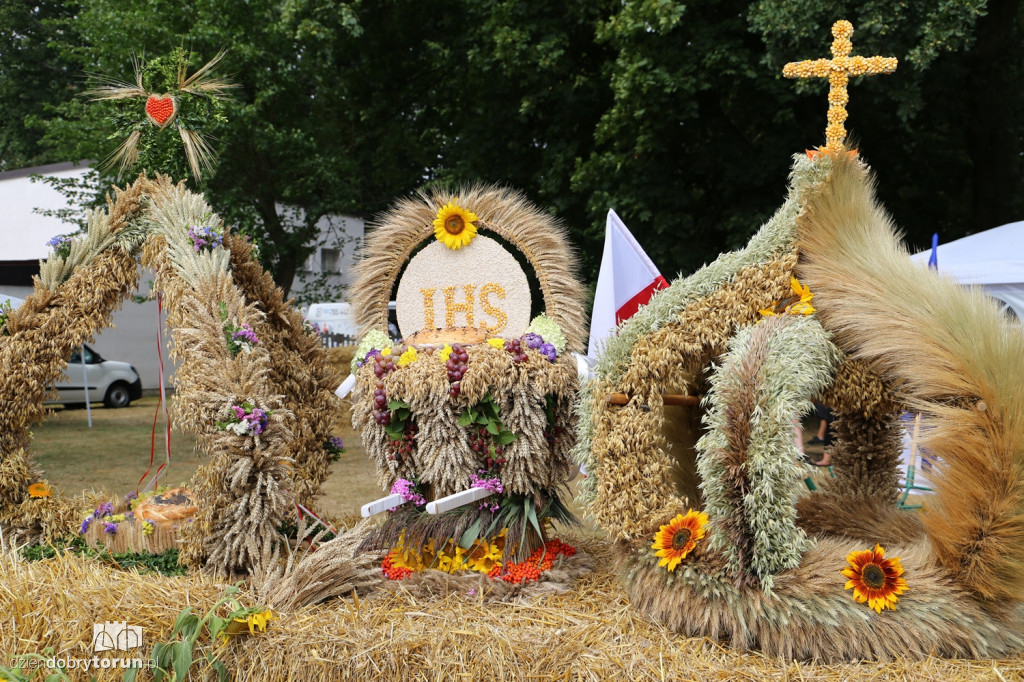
{"x": 592, "y": 633}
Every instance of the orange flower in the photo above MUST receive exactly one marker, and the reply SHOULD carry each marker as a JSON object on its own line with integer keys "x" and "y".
{"x": 875, "y": 579}
{"x": 677, "y": 538}
{"x": 39, "y": 490}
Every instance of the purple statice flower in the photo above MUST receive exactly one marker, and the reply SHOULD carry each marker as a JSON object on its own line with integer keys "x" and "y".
{"x": 105, "y": 509}
{"x": 533, "y": 341}
{"x": 337, "y": 443}
{"x": 129, "y": 514}
{"x": 407, "y": 489}
{"x": 239, "y": 412}
{"x": 85, "y": 525}
{"x": 131, "y": 496}
{"x": 549, "y": 351}
{"x": 245, "y": 334}
{"x": 204, "y": 236}
{"x": 110, "y": 528}
{"x": 257, "y": 420}
{"x": 492, "y": 484}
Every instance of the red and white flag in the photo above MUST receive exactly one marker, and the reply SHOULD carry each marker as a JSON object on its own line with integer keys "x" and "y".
{"x": 627, "y": 280}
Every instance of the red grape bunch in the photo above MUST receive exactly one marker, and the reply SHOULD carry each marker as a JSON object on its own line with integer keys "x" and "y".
{"x": 517, "y": 349}
{"x": 456, "y": 366}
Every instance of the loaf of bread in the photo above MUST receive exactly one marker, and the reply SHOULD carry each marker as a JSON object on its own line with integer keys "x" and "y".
{"x": 467, "y": 336}
{"x": 174, "y": 506}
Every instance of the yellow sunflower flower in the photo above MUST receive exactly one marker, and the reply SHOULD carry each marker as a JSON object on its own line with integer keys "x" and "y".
{"x": 677, "y": 538}
{"x": 802, "y": 292}
{"x": 39, "y": 490}
{"x": 875, "y": 579}
{"x": 454, "y": 226}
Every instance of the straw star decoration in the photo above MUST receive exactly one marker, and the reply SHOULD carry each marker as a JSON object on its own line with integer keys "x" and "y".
{"x": 838, "y": 71}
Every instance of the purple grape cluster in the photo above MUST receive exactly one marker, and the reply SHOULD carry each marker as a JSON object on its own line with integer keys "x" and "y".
{"x": 517, "y": 349}
{"x": 456, "y": 366}
{"x": 383, "y": 365}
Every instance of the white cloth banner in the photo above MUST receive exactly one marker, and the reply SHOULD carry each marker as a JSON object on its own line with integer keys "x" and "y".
{"x": 626, "y": 281}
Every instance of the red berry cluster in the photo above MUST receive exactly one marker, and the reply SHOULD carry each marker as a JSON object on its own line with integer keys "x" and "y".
{"x": 552, "y": 433}
{"x": 517, "y": 349}
{"x": 400, "y": 449}
{"x": 392, "y": 572}
{"x": 480, "y": 443}
{"x": 530, "y": 570}
{"x": 383, "y": 365}
{"x": 456, "y": 366}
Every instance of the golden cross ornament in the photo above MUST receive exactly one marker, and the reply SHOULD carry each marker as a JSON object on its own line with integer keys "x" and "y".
{"x": 838, "y": 71}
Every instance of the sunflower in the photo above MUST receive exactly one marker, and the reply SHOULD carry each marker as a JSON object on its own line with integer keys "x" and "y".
{"x": 677, "y": 538}
{"x": 875, "y": 579}
{"x": 454, "y": 226}
{"x": 801, "y": 301}
{"x": 39, "y": 490}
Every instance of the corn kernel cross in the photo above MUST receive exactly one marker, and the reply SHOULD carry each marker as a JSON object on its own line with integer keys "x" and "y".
{"x": 838, "y": 71}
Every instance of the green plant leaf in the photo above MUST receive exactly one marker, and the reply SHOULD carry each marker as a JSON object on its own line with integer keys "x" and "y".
{"x": 505, "y": 437}
{"x": 492, "y": 428}
{"x": 216, "y": 625}
{"x": 222, "y": 671}
{"x": 395, "y": 430}
{"x": 186, "y": 619}
{"x": 396, "y": 404}
{"x": 466, "y": 418}
{"x": 181, "y": 659}
{"x": 471, "y": 534}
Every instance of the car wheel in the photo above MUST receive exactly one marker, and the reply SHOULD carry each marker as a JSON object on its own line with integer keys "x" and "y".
{"x": 118, "y": 395}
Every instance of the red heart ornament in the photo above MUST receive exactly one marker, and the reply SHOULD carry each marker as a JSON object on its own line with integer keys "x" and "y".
{"x": 161, "y": 109}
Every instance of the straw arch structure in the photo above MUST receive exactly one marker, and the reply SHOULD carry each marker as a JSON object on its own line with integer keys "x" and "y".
{"x": 250, "y": 482}
{"x": 503, "y": 211}
{"x": 886, "y": 336}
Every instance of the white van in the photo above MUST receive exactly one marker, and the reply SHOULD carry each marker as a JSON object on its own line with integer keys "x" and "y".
{"x": 338, "y": 319}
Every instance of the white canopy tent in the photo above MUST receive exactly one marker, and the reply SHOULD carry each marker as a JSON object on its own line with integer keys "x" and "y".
{"x": 993, "y": 260}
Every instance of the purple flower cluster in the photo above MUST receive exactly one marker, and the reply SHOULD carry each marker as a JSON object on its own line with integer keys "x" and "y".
{"x": 533, "y": 341}
{"x": 58, "y": 241}
{"x": 105, "y": 509}
{"x": 489, "y": 483}
{"x": 245, "y": 334}
{"x": 85, "y": 525}
{"x": 407, "y": 489}
{"x": 337, "y": 443}
{"x": 110, "y": 528}
{"x": 204, "y": 237}
{"x": 131, "y": 496}
{"x": 256, "y": 419}
{"x": 536, "y": 342}
{"x": 372, "y": 353}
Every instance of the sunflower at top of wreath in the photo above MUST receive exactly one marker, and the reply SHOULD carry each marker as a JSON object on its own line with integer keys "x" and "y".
{"x": 469, "y": 419}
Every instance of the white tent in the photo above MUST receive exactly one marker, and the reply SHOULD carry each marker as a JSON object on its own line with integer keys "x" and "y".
{"x": 993, "y": 260}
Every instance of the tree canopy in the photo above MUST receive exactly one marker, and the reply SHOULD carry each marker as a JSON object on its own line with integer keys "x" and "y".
{"x": 675, "y": 115}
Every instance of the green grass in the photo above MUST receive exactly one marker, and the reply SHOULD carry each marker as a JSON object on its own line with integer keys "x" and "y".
{"x": 115, "y": 453}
